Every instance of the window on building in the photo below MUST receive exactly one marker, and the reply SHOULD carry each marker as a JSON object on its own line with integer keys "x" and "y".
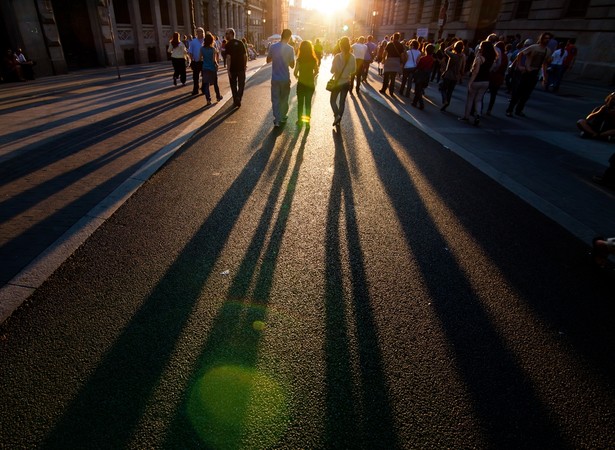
{"x": 523, "y": 9}
{"x": 164, "y": 12}
{"x": 419, "y": 10}
{"x": 435, "y": 13}
{"x": 577, "y": 8}
{"x": 457, "y": 10}
{"x": 120, "y": 8}
{"x": 180, "y": 12}
{"x": 146, "y": 12}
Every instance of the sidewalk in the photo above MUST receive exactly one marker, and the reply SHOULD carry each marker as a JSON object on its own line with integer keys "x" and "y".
{"x": 73, "y": 149}
{"x": 540, "y": 158}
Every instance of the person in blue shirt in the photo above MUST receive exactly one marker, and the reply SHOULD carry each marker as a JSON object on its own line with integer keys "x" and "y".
{"x": 209, "y": 57}
{"x": 282, "y": 57}
{"x": 194, "y": 50}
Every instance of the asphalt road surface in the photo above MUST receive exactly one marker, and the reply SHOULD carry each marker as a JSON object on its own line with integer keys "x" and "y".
{"x": 360, "y": 287}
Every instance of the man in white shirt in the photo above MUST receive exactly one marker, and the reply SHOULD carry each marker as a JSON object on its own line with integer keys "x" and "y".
{"x": 358, "y": 50}
{"x": 194, "y": 50}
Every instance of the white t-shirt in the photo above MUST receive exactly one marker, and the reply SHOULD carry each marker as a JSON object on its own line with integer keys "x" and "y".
{"x": 359, "y": 50}
{"x": 413, "y": 58}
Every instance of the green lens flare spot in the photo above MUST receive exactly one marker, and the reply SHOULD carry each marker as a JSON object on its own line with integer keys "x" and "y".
{"x": 258, "y": 325}
{"x": 234, "y": 406}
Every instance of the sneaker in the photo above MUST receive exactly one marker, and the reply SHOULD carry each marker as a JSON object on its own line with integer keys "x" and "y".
{"x": 208, "y": 102}
{"x": 219, "y": 98}
{"x": 382, "y": 91}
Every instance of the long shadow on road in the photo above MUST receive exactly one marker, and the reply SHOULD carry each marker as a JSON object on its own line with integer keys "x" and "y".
{"x": 503, "y": 397}
{"x": 116, "y": 394}
{"x": 364, "y": 418}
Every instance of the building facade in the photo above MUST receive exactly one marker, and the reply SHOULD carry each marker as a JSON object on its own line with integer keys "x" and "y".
{"x": 590, "y": 22}
{"x": 63, "y": 35}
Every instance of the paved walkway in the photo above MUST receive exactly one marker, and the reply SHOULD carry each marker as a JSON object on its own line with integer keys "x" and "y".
{"x": 75, "y": 147}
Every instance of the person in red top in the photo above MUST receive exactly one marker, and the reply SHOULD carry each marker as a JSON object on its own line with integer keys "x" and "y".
{"x": 421, "y": 76}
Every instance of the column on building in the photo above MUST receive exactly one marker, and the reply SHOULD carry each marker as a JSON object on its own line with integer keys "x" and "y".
{"x": 161, "y": 36}
{"x": 188, "y": 18}
{"x": 137, "y": 27}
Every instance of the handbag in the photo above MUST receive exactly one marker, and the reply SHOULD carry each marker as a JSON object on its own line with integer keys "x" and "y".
{"x": 332, "y": 83}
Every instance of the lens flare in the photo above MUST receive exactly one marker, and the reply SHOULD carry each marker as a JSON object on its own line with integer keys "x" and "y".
{"x": 234, "y": 406}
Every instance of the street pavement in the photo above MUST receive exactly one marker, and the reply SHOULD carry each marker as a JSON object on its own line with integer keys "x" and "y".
{"x": 361, "y": 287}
{"x": 75, "y": 147}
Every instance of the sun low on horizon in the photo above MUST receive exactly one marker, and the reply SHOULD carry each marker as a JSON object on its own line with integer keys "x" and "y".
{"x": 325, "y": 6}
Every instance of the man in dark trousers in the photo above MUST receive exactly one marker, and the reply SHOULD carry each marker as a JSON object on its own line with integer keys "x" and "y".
{"x": 236, "y": 57}
{"x": 194, "y": 50}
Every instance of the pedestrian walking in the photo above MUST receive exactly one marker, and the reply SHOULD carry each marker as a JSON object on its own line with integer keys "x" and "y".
{"x": 306, "y": 70}
{"x": 236, "y": 56}
{"x": 343, "y": 66}
{"x": 359, "y": 49}
{"x": 393, "y": 63}
{"x": 209, "y": 57}
{"x": 194, "y": 50}
{"x": 410, "y": 67}
{"x": 479, "y": 80}
{"x": 179, "y": 55}
{"x": 424, "y": 67}
{"x": 282, "y": 57}
{"x": 535, "y": 57}
{"x": 497, "y": 74}
{"x": 455, "y": 68}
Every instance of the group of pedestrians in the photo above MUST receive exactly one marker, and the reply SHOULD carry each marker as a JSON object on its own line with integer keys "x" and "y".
{"x": 203, "y": 54}
{"x": 492, "y": 63}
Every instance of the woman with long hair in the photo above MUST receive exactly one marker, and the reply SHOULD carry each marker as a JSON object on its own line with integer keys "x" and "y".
{"x": 306, "y": 70}
{"x": 178, "y": 52}
{"x": 479, "y": 80}
{"x": 209, "y": 56}
{"x": 342, "y": 67}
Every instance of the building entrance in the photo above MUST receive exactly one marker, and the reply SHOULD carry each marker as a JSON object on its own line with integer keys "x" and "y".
{"x": 76, "y": 35}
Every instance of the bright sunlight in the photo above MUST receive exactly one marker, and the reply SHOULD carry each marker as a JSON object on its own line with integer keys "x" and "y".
{"x": 325, "y": 6}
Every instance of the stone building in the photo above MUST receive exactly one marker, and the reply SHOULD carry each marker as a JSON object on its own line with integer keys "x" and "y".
{"x": 62, "y": 35}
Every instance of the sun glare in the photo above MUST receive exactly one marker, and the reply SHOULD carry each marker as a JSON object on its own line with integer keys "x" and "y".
{"x": 325, "y": 6}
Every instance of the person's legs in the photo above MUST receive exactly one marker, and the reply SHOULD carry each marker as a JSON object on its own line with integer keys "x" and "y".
{"x": 206, "y": 91}
{"x": 233, "y": 81}
{"x": 528, "y": 82}
{"x": 385, "y": 82}
{"x": 493, "y": 92}
{"x": 241, "y": 83}
{"x": 405, "y": 76}
{"x": 333, "y": 102}
{"x": 309, "y": 93}
{"x": 300, "y": 101}
{"x": 284, "y": 94}
{"x": 481, "y": 89}
{"x": 275, "y": 101}
{"x": 197, "y": 66}
{"x": 343, "y": 93}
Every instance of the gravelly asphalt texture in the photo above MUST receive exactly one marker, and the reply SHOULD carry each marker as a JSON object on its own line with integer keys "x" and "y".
{"x": 315, "y": 288}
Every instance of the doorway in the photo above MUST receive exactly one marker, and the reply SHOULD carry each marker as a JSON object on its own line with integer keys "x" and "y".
{"x": 76, "y": 35}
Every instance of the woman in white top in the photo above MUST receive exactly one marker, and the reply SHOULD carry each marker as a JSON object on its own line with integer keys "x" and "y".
{"x": 342, "y": 68}
{"x": 410, "y": 67}
{"x": 178, "y": 52}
